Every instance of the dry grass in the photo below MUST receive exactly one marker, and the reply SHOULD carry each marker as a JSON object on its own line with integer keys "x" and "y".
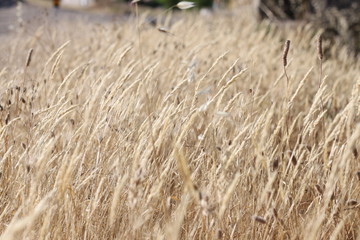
{"x": 196, "y": 139}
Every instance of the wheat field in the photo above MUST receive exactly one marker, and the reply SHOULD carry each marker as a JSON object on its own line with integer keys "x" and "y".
{"x": 122, "y": 131}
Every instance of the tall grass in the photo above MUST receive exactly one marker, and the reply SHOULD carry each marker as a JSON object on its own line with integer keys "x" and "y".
{"x": 194, "y": 139}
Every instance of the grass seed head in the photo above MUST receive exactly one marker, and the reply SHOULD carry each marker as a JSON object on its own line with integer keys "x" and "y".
{"x": 286, "y": 51}
{"x": 352, "y": 202}
{"x": 259, "y": 219}
{"x": 319, "y": 48}
{"x": 28, "y": 60}
{"x": 185, "y": 5}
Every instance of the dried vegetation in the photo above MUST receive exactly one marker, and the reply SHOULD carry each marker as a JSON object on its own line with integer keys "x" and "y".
{"x": 197, "y": 134}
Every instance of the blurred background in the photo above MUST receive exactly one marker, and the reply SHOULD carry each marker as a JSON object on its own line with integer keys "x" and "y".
{"x": 339, "y": 20}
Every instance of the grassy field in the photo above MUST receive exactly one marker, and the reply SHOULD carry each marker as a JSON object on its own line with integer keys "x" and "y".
{"x": 122, "y": 131}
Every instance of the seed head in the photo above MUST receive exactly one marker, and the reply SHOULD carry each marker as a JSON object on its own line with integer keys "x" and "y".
{"x": 28, "y": 61}
{"x": 286, "y": 51}
{"x": 259, "y": 219}
{"x": 319, "y": 48}
{"x": 185, "y": 5}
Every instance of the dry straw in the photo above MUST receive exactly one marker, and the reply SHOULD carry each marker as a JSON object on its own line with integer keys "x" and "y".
{"x": 129, "y": 155}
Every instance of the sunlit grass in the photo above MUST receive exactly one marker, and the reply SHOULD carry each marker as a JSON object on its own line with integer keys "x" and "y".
{"x": 197, "y": 136}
